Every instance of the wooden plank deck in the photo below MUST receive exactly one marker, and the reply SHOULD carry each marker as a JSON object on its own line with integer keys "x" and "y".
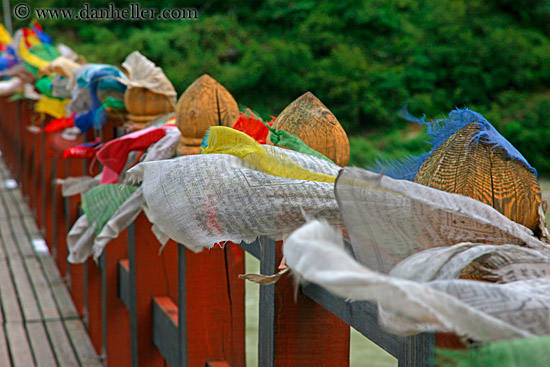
{"x": 39, "y": 325}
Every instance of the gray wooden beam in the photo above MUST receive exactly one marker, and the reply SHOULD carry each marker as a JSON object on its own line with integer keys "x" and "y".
{"x": 253, "y": 248}
{"x": 414, "y": 350}
{"x": 166, "y": 334}
{"x": 417, "y": 350}
{"x": 124, "y": 284}
{"x": 266, "y": 339}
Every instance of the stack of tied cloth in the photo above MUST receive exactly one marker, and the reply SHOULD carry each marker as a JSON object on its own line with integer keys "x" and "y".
{"x": 109, "y": 207}
{"x": 469, "y": 157}
{"x": 417, "y": 248}
{"x": 410, "y": 242}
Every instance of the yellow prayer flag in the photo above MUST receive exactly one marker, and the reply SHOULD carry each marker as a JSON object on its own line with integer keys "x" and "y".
{"x": 29, "y": 58}
{"x": 225, "y": 140}
{"x": 5, "y": 37}
{"x": 51, "y": 106}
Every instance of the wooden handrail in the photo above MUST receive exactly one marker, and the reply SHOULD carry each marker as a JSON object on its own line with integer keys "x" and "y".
{"x": 130, "y": 297}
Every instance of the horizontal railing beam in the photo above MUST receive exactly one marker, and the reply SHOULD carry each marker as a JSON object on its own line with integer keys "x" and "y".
{"x": 165, "y": 329}
{"x": 124, "y": 281}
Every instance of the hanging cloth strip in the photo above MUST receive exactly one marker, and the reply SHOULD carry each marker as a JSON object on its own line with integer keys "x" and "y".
{"x": 114, "y": 154}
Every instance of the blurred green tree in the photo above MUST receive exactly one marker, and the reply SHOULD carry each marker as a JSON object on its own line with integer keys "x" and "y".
{"x": 363, "y": 58}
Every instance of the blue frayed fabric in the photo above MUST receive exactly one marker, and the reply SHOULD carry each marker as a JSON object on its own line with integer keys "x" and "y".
{"x": 98, "y": 77}
{"x": 440, "y": 131}
{"x": 401, "y": 169}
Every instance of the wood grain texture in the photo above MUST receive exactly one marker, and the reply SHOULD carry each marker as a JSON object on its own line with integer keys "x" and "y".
{"x": 143, "y": 102}
{"x": 485, "y": 173}
{"x": 204, "y": 103}
{"x": 309, "y": 119}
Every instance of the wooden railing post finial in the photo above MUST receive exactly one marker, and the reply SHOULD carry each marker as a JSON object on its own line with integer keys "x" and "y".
{"x": 204, "y": 103}
{"x": 309, "y": 119}
{"x": 144, "y": 105}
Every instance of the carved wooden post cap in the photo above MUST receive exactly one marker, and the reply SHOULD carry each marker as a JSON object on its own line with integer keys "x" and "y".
{"x": 484, "y": 172}
{"x": 144, "y": 105}
{"x": 204, "y": 103}
{"x": 309, "y": 119}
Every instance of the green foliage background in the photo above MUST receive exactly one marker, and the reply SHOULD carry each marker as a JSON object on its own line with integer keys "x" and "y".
{"x": 363, "y": 59}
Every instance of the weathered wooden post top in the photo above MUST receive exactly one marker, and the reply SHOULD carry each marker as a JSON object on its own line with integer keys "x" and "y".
{"x": 300, "y": 326}
{"x": 309, "y": 119}
{"x": 144, "y": 105}
{"x": 149, "y": 93}
{"x": 204, "y": 103}
{"x": 484, "y": 172}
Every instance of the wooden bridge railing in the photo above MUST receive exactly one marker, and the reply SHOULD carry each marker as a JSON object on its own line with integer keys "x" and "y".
{"x": 142, "y": 308}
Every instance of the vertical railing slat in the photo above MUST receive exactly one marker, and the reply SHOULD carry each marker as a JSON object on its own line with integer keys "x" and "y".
{"x": 182, "y": 307}
{"x": 43, "y": 168}
{"x": 53, "y": 207}
{"x": 19, "y": 142}
{"x": 266, "y": 328}
{"x": 296, "y": 335}
{"x": 103, "y": 269}
{"x": 133, "y": 294}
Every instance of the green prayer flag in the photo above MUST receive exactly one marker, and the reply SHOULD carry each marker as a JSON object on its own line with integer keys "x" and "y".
{"x": 101, "y": 202}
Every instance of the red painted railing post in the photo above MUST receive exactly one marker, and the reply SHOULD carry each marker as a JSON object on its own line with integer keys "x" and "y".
{"x": 214, "y": 306}
{"x": 26, "y": 115}
{"x": 118, "y": 321}
{"x": 298, "y": 331}
{"x": 155, "y": 276}
{"x": 93, "y": 289}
